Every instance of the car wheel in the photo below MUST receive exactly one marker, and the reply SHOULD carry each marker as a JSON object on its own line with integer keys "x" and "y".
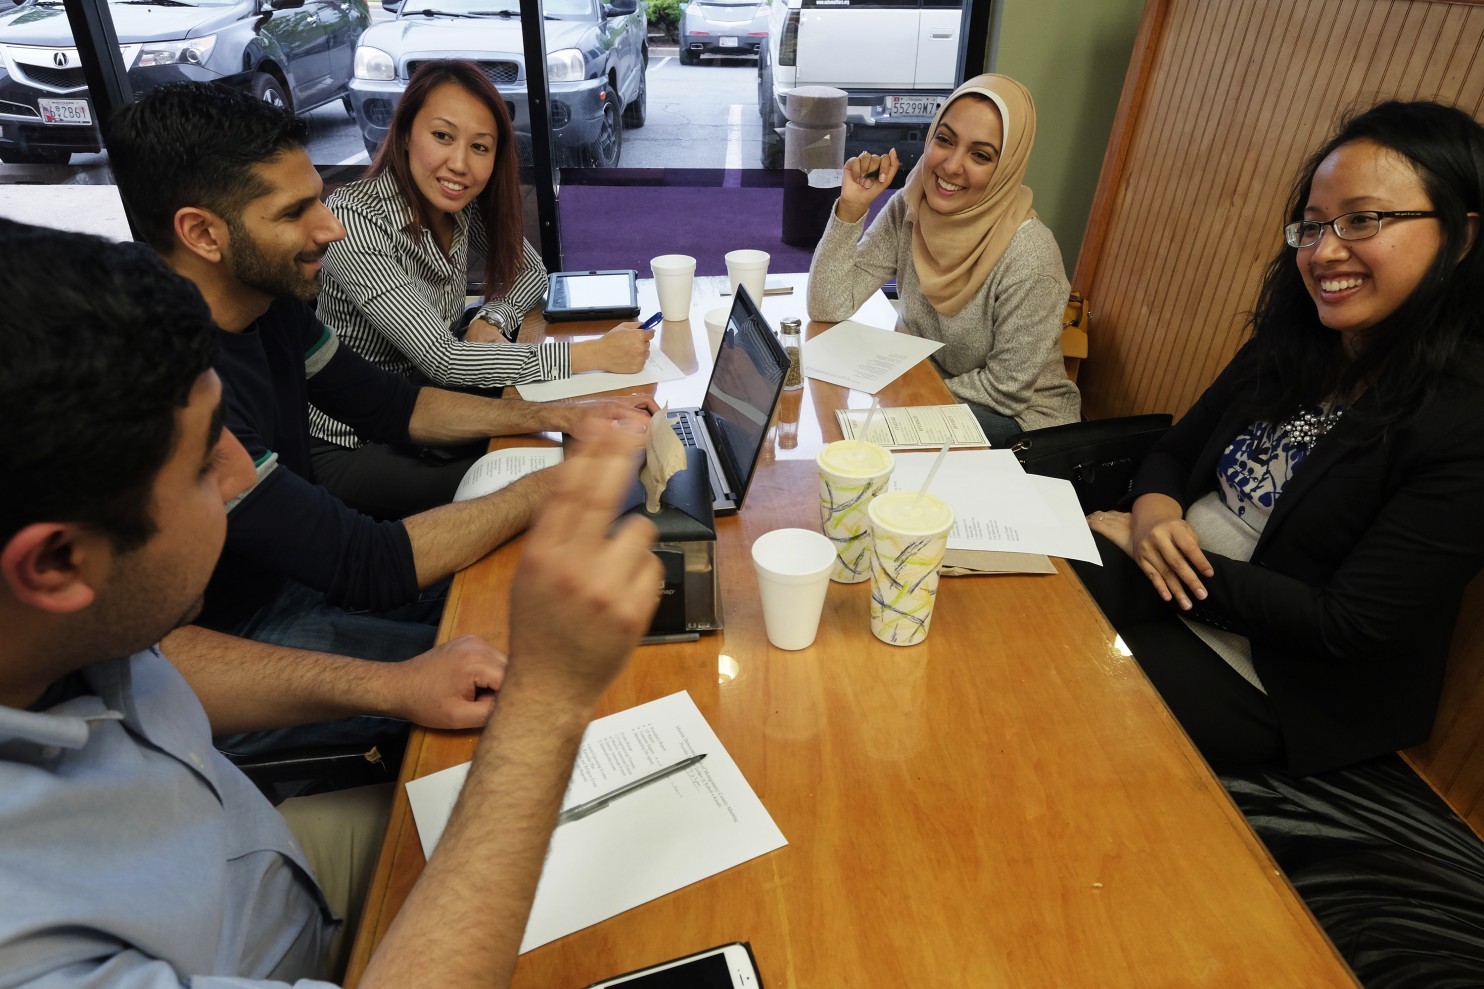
{"x": 687, "y": 57}
{"x": 772, "y": 141}
{"x": 764, "y": 88}
{"x": 350, "y": 107}
{"x": 36, "y": 156}
{"x": 271, "y": 91}
{"x": 637, "y": 109}
{"x": 606, "y": 150}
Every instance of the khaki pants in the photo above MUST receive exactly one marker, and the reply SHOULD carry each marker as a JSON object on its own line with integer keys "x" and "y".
{"x": 341, "y": 835}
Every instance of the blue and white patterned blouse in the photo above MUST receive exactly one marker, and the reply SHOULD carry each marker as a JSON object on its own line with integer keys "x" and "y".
{"x": 1253, "y": 469}
{"x": 1250, "y": 474}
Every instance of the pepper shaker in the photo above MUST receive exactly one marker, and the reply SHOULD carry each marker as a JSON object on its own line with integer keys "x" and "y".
{"x": 791, "y": 336}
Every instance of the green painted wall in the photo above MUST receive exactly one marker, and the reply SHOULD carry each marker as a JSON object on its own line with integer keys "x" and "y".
{"x": 1072, "y": 55}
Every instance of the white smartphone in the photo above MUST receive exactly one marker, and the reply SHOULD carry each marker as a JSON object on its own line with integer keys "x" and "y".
{"x": 726, "y": 967}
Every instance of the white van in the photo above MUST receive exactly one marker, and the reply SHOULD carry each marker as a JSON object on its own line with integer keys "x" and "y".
{"x": 896, "y": 58}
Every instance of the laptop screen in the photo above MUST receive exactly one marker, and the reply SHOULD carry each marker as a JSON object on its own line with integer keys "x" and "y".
{"x": 744, "y": 387}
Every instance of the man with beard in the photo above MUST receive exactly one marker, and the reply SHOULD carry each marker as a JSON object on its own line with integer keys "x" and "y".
{"x": 134, "y": 856}
{"x": 221, "y": 186}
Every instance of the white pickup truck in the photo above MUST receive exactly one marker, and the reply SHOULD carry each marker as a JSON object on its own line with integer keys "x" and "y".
{"x": 896, "y": 58}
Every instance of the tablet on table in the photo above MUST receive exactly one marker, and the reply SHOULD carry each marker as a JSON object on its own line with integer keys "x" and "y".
{"x": 573, "y": 295}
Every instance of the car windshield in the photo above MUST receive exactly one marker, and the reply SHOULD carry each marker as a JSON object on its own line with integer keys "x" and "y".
{"x": 553, "y": 9}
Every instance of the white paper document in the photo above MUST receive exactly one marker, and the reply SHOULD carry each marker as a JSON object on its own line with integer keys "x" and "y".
{"x": 674, "y": 832}
{"x": 659, "y": 367}
{"x": 493, "y": 471}
{"x": 999, "y": 508}
{"x": 877, "y": 311}
{"x": 916, "y": 427}
{"x": 863, "y": 357}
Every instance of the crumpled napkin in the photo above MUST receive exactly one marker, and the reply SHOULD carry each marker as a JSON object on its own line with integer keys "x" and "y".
{"x": 664, "y": 457}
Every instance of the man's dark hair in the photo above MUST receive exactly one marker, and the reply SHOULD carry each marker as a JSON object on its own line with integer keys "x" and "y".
{"x": 1298, "y": 361}
{"x": 191, "y": 144}
{"x": 101, "y": 343}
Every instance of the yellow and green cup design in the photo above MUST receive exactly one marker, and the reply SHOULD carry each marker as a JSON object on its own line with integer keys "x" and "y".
{"x": 851, "y": 474}
{"x": 908, "y": 537}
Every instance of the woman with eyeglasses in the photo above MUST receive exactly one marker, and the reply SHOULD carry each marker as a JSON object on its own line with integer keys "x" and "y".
{"x": 1298, "y": 543}
{"x": 975, "y": 269}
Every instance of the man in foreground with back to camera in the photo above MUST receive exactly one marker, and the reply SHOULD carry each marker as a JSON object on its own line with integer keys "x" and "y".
{"x": 133, "y": 853}
{"x": 220, "y": 184}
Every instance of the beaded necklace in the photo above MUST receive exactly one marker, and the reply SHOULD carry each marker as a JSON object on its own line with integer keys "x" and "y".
{"x": 1308, "y": 424}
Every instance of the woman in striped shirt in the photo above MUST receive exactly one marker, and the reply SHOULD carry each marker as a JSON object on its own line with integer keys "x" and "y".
{"x": 444, "y": 188}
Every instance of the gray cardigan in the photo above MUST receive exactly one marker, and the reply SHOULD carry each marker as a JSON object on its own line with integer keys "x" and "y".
{"x": 1002, "y": 350}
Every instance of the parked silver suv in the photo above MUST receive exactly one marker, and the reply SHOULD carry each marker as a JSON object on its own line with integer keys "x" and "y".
{"x": 597, "y": 61}
{"x": 896, "y": 59}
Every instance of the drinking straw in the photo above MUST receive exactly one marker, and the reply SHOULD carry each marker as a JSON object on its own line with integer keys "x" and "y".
{"x": 932, "y": 473}
{"x": 860, "y": 437}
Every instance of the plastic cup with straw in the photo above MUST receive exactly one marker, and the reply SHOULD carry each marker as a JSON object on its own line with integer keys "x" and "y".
{"x": 851, "y": 473}
{"x": 909, "y": 534}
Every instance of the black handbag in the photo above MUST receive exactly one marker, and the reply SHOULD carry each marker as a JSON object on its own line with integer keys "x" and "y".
{"x": 1099, "y": 457}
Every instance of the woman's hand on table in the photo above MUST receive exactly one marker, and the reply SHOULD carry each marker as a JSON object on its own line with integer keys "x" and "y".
{"x": 623, "y": 349}
{"x": 867, "y": 176}
{"x": 1167, "y": 550}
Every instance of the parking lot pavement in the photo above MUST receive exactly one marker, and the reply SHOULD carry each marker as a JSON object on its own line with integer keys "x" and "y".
{"x": 700, "y": 116}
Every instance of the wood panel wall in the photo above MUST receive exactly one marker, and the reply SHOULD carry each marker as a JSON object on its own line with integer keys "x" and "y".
{"x": 1222, "y": 102}
{"x": 1452, "y": 760}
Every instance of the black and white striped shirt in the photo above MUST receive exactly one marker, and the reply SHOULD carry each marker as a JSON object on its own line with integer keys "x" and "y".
{"x": 392, "y": 296}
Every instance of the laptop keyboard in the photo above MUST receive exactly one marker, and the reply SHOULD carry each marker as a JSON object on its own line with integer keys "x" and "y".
{"x": 682, "y": 427}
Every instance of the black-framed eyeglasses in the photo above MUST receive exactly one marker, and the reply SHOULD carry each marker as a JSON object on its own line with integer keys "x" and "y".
{"x": 1352, "y": 226}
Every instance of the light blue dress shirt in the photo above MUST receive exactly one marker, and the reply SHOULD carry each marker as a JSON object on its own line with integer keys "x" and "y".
{"x": 134, "y": 856}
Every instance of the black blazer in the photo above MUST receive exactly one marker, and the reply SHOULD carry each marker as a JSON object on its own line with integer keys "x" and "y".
{"x": 1353, "y": 588}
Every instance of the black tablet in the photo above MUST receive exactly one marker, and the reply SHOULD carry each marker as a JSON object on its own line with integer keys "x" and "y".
{"x": 592, "y": 295}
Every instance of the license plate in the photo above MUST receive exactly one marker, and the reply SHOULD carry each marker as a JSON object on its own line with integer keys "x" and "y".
{"x": 912, "y": 106}
{"x": 64, "y": 111}
{"x": 729, "y": 42}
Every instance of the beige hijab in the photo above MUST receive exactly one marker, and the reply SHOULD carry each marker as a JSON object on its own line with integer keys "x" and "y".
{"x": 954, "y": 252}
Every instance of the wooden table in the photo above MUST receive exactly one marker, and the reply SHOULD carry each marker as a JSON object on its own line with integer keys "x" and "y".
{"x": 1007, "y": 804}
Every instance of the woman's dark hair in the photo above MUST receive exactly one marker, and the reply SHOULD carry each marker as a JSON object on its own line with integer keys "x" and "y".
{"x": 499, "y": 203}
{"x": 1297, "y": 360}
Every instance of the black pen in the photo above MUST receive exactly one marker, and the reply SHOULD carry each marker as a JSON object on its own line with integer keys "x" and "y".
{"x": 579, "y": 811}
{"x": 653, "y": 640}
{"x": 652, "y": 321}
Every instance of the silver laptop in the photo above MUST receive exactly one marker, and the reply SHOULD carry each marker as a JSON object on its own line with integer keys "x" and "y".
{"x": 732, "y": 422}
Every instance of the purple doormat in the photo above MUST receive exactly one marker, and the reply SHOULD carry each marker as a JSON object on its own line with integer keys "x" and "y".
{"x": 625, "y": 226}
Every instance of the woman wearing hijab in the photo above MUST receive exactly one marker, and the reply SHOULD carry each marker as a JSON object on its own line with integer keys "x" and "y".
{"x": 975, "y": 269}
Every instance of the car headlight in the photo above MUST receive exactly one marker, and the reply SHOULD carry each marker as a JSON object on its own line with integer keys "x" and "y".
{"x": 373, "y": 63}
{"x": 566, "y": 65}
{"x": 189, "y": 51}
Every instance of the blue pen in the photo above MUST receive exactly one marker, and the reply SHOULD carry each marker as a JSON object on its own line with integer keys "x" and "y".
{"x": 652, "y": 321}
